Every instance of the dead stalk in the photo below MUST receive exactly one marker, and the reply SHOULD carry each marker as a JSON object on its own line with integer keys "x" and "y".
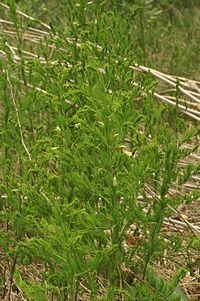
{"x": 17, "y": 115}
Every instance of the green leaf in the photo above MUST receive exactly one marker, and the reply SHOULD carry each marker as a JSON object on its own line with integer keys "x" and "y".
{"x": 31, "y": 289}
{"x": 180, "y": 292}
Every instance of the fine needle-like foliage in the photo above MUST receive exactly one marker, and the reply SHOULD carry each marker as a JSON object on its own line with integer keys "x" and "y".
{"x": 95, "y": 163}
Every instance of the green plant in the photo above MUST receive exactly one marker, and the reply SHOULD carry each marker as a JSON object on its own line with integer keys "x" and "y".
{"x": 70, "y": 189}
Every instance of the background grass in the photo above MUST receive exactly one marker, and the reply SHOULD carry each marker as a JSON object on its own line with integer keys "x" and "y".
{"x": 168, "y": 29}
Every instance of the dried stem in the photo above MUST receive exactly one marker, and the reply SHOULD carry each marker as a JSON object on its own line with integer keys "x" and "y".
{"x": 17, "y": 115}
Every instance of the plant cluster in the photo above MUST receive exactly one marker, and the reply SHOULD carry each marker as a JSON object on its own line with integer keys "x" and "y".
{"x": 88, "y": 159}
